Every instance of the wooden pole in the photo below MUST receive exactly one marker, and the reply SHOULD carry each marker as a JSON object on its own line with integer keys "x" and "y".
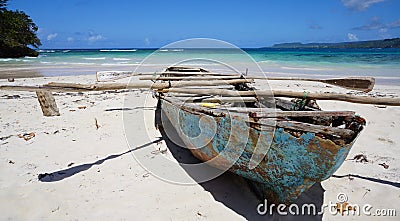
{"x": 115, "y": 75}
{"x": 173, "y": 88}
{"x": 292, "y": 94}
{"x": 47, "y": 103}
{"x": 73, "y": 87}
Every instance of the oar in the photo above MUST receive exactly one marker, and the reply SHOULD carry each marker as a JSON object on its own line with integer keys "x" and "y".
{"x": 365, "y": 84}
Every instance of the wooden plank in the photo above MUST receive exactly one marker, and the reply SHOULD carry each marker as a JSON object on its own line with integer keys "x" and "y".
{"x": 259, "y": 113}
{"x": 306, "y": 127}
{"x": 47, "y": 103}
{"x": 219, "y": 99}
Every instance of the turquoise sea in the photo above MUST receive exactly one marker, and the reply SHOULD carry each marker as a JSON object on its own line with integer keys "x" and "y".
{"x": 384, "y": 64}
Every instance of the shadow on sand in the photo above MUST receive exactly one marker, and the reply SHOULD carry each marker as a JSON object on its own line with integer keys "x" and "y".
{"x": 62, "y": 174}
{"x": 233, "y": 191}
{"x": 387, "y": 182}
{"x": 229, "y": 189}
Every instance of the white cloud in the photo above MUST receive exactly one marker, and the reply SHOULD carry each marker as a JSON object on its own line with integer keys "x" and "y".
{"x": 95, "y": 37}
{"x": 70, "y": 39}
{"x": 51, "y": 36}
{"x": 147, "y": 41}
{"x": 359, "y": 5}
{"x": 383, "y": 33}
{"x": 352, "y": 37}
{"x": 376, "y": 24}
{"x": 395, "y": 24}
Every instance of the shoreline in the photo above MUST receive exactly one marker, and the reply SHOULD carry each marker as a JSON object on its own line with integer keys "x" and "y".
{"x": 382, "y": 81}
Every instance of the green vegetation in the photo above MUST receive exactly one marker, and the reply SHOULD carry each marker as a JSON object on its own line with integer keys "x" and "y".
{"x": 17, "y": 33}
{"x": 387, "y": 43}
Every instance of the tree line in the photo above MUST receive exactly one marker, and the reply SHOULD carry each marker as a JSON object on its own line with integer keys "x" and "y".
{"x": 17, "y": 33}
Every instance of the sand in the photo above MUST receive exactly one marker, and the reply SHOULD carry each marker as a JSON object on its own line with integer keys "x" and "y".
{"x": 94, "y": 175}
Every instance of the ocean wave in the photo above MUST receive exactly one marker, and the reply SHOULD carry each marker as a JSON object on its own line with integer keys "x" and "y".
{"x": 100, "y": 58}
{"x": 7, "y": 59}
{"x": 46, "y": 51}
{"x": 66, "y": 51}
{"x": 122, "y": 59}
{"x": 117, "y": 64}
{"x": 118, "y": 50}
{"x": 76, "y": 63}
{"x": 174, "y": 50}
{"x": 305, "y": 68}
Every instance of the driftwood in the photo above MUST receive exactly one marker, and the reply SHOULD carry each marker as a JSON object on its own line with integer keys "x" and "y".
{"x": 47, "y": 103}
{"x": 72, "y": 87}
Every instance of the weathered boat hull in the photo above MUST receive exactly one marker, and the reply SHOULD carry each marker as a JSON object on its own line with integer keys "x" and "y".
{"x": 289, "y": 165}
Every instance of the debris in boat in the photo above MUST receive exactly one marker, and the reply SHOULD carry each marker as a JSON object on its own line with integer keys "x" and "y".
{"x": 11, "y": 162}
{"x": 384, "y": 165}
{"x": 342, "y": 207}
{"x": 96, "y": 123}
{"x": 55, "y": 132}
{"x": 27, "y": 136}
{"x": 380, "y": 106}
{"x": 209, "y": 105}
{"x": 72, "y": 110}
{"x": 360, "y": 158}
{"x": 70, "y": 164}
{"x": 82, "y": 107}
{"x": 11, "y": 79}
{"x": 350, "y": 177}
{"x": 146, "y": 175}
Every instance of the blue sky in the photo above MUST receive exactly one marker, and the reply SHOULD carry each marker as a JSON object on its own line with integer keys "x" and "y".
{"x": 152, "y": 24}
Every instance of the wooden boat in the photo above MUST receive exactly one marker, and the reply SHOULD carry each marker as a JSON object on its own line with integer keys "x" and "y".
{"x": 292, "y": 146}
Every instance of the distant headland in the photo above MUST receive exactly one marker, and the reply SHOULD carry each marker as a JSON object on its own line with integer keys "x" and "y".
{"x": 386, "y": 43}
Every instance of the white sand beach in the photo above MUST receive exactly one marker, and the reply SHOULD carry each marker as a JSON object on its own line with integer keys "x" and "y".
{"x": 96, "y": 177}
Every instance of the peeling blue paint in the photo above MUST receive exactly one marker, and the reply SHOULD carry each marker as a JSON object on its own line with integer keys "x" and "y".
{"x": 291, "y": 165}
